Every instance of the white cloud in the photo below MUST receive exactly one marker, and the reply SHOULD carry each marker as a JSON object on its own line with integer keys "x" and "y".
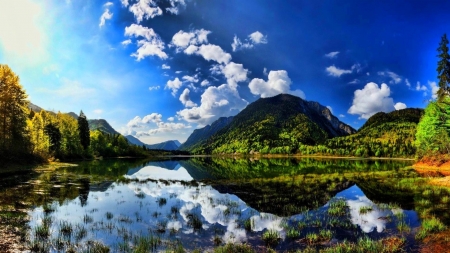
{"x": 337, "y": 72}
{"x": 105, "y": 16}
{"x": 108, "y": 4}
{"x": 372, "y": 99}
{"x": 150, "y": 45}
{"x": 421, "y": 87}
{"x": 399, "y": 106}
{"x": 216, "y": 102}
{"x": 153, "y": 117}
{"x": 124, "y": 3}
{"x": 407, "y": 83}
{"x": 157, "y": 87}
{"x": 258, "y": 38}
{"x": 214, "y": 53}
{"x": 190, "y": 79}
{"x": 332, "y": 55}
{"x": 341, "y": 116}
{"x": 163, "y": 127}
{"x": 174, "y": 85}
{"x": 330, "y": 108}
{"x": 357, "y": 67}
{"x": 22, "y": 35}
{"x": 237, "y": 44}
{"x": 170, "y": 119}
{"x": 176, "y": 6}
{"x": 395, "y": 79}
{"x": 434, "y": 89}
{"x": 265, "y": 72}
{"x": 355, "y": 81}
{"x": 126, "y": 42}
{"x": 234, "y": 72}
{"x": 71, "y": 89}
{"x": 204, "y": 83}
{"x": 253, "y": 39}
{"x": 145, "y": 9}
{"x": 185, "y": 99}
{"x": 278, "y": 82}
{"x": 165, "y": 66}
{"x": 182, "y": 40}
{"x": 135, "y": 122}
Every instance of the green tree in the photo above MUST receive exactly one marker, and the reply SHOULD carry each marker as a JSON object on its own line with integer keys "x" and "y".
{"x": 14, "y": 111}
{"x": 83, "y": 130}
{"x": 443, "y": 69}
{"x": 54, "y": 135}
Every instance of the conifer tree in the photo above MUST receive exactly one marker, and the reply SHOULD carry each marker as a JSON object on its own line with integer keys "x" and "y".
{"x": 443, "y": 69}
{"x": 83, "y": 130}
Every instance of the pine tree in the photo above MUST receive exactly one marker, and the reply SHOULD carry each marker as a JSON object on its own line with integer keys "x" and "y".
{"x": 443, "y": 69}
{"x": 83, "y": 130}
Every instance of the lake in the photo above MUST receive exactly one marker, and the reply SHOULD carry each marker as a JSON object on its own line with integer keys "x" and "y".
{"x": 128, "y": 205}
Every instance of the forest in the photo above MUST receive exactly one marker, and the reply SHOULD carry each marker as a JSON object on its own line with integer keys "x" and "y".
{"x": 27, "y": 136}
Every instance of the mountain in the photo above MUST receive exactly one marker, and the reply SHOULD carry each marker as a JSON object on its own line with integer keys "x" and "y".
{"x": 133, "y": 140}
{"x": 199, "y": 136}
{"x": 276, "y": 125}
{"x": 383, "y": 135}
{"x": 101, "y": 125}
{"x": 167, "y": 145}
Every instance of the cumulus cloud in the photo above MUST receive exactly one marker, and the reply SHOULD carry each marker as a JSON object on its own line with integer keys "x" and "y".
{"x": 185, "y": 99}
{"x": 204, "y": 83}
{"x": 258, "y": 38}
{"x": 163, "y": 127}
{"x": 190, "y": 79}
{"x": 144, "y": 9}
{"x": 124, "y": 3}
{"x": 135, "y": 122}
{"x": 153, "y": 117}
{"x": 174, "y": 85}
{"x": 278, "y": 82}
{"x": 337, "y": 72}
{"x": 332, "y": 55}
{"x": 213, "y": 53}
{"x": 234, "y": 72}
{"x": 126, "y": 42}
{"x": 176, "y": 6}
{"x": 253, "y": 39}
{"x": 420, "y": 87}
{"x": 372, "y": 99}
{"x": 399, "y": 106}
{"x": 395, "y": 79}
{"x": 183, "y": 40}
{"x": 150, "y": 44}
{"x": 215, "y": 102}
{"x": 170, "y": 119}
{"x": 434, "y": 89}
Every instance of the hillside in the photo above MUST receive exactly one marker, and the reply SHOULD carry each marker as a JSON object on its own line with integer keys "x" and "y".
{"x": 383, "y": 135}
{"x": 199, "y": 136}
{"x": 276, "y": 125}
{"x": 101, "y": 125}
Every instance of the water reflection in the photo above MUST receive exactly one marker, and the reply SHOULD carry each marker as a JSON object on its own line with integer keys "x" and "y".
{"x": 162, "y": 200}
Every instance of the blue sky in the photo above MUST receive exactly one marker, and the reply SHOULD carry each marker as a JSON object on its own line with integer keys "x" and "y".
{"x": 158, "y": 69}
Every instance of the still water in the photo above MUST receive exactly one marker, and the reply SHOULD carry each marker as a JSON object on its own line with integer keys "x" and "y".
{"x": 201, "y": 203}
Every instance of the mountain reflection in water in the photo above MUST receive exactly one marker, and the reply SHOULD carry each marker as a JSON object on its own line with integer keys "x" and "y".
{"x": 162, "y": 198}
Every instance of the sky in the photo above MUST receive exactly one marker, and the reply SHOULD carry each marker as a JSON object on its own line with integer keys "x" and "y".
{"x": 158, "y": 69}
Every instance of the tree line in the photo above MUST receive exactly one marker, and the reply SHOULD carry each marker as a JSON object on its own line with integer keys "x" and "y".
{"x": 26, "y": 135}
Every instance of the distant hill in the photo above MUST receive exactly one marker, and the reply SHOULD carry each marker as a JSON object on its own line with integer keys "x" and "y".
{"x": 276, "y": 125}
{"x": 133, "y": 140}
{"x": 167, "y": 145}
{"x": 199, "y": 136}
{"x": 383, "y": 135}
{"x": 102, "y": 125}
